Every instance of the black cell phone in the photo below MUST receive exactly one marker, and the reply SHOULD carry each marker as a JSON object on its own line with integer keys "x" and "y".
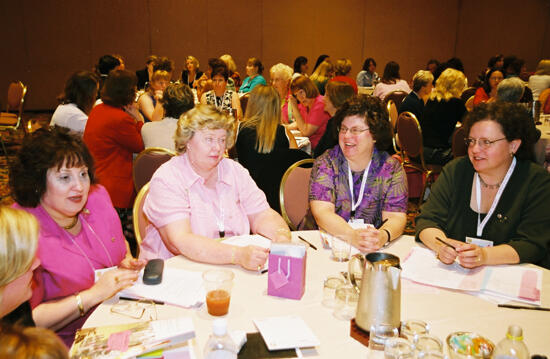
{"x": 152, "y": 274}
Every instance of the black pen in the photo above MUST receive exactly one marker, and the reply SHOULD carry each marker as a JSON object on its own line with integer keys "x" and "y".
{"x": 445, "y": 243}
{"x": 143, "y": 300}
{"x": 511, "y": 306}
{"x": 381, "y": 224}
{"x": 311, "y": 245}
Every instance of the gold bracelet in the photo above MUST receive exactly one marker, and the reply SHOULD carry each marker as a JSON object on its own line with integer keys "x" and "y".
{"x": 79, "y": 304}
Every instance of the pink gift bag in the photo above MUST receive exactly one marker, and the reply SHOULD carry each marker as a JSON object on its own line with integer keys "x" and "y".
{"x": 287, "y": 271}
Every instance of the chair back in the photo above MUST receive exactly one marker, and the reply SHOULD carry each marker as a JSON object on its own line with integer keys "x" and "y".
{"x": 458, "y": 146}
{"x": 244, "y": 102}
{"x": 294, "y": 192}
{"x": 544, "y": 96}
{"x": 140, "y": 220}
{"x": 392, "y": 111}
{"x": 410, "y": 135}
{"x": 396, "y": 96}
{"x": 469, "y": 104}
{"x": 16, "y": 96}
{"x": 147, "y": 162}
{"x": 467, "y": 93}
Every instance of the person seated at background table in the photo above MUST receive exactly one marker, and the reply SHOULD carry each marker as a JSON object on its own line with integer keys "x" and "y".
{"x": 510, "y": 90}
{"x": 176, "y": 100}
{"x": 105, "y": 65}
{"x": 150, "y": 101}
{"x": 300, "y": 67}
{"x": 322, "y": 75}
{"x": 368, "y": 77}
{"x": 18, "y": 243}
{"x": 191, "y": 74}
{"x": 204, "y": 83}
{"x": 311, "y": 118}
{"x": 342, "y": 68}
{"x": 280, "y": 75}
{"x": 422, "y": 89}
{"x": 80, "y": 232}
{"x": 432, "y": 65}
{"x": 488, "y": 91}
{"x": 515, "y": 67}
{"x": 379, "y": 190}
{"x": 391, "y": 81}
{"x": 200, "y": 196}
{"x": 320, "y": 59}
{"x": 76, "y": 102}
{"x": 234, "y": 77}
{"x": 113, "y": 135}
{"x": 220, "y": 97}
{"x": 254, "y": 69}
{"x": 144, "y": 75}
{"x": 441, "y": 114}
{"x": 18, "y": 342}
{"x": 337, "y": 94}
{"x": 540, "y": 80}
{"x": 262, "y": 142}
{"x": 495, "y": 196}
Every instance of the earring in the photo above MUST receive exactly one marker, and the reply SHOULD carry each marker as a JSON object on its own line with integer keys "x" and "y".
{"x": 512, "y": 154}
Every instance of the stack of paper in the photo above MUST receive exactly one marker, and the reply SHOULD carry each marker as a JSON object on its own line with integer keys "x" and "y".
{"x": 286, "y": 332}
{"x": 511, "y": 282}
{"x": 179, "y": 287}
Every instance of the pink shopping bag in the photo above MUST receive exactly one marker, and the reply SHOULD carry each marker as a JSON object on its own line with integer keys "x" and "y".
{"x": 287, "y": 273}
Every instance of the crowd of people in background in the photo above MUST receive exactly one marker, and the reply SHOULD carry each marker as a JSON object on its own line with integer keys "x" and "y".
{"x": 74, "y": 180}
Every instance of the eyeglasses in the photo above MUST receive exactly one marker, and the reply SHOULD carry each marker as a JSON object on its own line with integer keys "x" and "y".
{"x": 484, "y": 143}
{"x": 211, "y": 141}
{"x": 354, "y": 130}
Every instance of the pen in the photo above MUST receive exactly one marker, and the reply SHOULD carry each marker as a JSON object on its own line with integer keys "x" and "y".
{"x": 264, "y": 271}
{"x": 511, "y": 306}
{"x": 311, "y": 245}
{"x": 137, "y": 300}
{"x": 381, "y": 224}
{"x": 445, "y": 243}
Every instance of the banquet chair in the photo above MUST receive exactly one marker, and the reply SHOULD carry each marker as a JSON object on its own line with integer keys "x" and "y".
{"x": 293, "y": 192}
{"x": 467, "y": 93}
{"x": 410, "y": 137}
{"x": 469, "y": 104}
{"x": 396, "y": 96}
{"x": 11, "y": 119}
{"x": 147, "y": 162}
{"x": 140, "y": 220}
{"x": 458, "y": 146}
{"x": 392, "y": 111}
{"x": 244, "y": 102}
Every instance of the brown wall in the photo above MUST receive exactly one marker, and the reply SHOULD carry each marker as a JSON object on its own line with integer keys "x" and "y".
{"x": 48, "y": 40}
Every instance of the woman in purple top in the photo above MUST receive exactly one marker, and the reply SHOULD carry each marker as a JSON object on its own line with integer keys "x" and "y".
{"x": 379, "y": 190}
{"x": 80, "y": 231}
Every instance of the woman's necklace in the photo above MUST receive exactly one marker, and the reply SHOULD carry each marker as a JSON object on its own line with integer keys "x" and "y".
{"x": 72, "y": 224}
{"x": 490, "y": 186}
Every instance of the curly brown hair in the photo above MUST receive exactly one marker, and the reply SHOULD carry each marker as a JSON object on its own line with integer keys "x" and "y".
{"x": 40, "y": 151}
{"x": 514, "y": 120}
{"x": 376, "y": 116}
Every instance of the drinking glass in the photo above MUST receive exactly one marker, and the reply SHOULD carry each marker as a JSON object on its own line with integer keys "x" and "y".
{"x": 218, "y": 284}
{"x": 329, "y": 290}
{"x": 413, "y": 328}
{"x": 341, "y": 247}
{"x": 379, "y": 335}
{"x": 398, "y": 348}
{"x": 346, "y": 302}
{"x": 428, "y": 344}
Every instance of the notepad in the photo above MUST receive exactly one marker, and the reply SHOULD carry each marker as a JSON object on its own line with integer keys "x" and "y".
{"x": 286, "y": 332}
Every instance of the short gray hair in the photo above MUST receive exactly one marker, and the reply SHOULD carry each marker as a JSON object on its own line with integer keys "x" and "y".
{"x": 285, "y": 70}
{"x": 510, "y": 90}
{"x": 422, "y": 78}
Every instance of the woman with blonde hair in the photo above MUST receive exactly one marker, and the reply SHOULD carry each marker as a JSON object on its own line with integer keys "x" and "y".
{"x": 18, "y": 243}
{"x": 322, "y": 75}
{"x": 262, "y": 139}
{"x": 151, "y": 101}
{"x": 191, "y": 74}
{"x": 281, "y": 75}
{"x": 232, "y": 68}
{"x": 200, "y": 196}
{"x": 441, "y": 113}
{"x": 540, "y": 81}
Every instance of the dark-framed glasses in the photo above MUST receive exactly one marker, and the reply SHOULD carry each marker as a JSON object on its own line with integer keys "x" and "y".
{"x": 484, "y": 143}
{"x": 354, "y": 130}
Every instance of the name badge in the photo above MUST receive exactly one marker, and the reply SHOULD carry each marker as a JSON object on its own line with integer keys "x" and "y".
{"x": 359, "y": 223}
{"x": 479, "y": 242}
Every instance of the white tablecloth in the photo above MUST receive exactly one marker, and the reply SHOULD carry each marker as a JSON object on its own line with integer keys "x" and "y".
{"x": 446, "y": 311}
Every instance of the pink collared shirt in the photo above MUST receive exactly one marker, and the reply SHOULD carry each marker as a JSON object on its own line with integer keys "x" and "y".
{"x": 177, "y": 192}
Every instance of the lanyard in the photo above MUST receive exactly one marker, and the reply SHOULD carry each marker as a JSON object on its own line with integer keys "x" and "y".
{"x": 481, "y": 224}
{"x": 354, "y": 205}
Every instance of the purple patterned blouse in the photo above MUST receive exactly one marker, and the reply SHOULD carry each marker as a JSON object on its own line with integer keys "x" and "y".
{"x": 385, "y": 190}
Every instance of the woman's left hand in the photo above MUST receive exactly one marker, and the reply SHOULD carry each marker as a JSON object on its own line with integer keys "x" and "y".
{"x": 367, "y": 239}
{"x": 132, "y": 263}
{"x": 470, "y": 255}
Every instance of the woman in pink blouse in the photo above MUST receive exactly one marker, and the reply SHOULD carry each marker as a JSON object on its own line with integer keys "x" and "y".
{"x": 200, "y": 196}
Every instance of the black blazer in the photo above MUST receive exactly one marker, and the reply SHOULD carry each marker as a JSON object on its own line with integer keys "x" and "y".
{"x": 412, "y": 103}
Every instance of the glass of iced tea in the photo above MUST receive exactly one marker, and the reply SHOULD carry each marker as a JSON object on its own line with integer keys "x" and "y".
{"x": 218, "y": 284}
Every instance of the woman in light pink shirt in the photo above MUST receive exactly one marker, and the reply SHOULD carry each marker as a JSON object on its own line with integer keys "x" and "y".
{"x": 200, "y": 195}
